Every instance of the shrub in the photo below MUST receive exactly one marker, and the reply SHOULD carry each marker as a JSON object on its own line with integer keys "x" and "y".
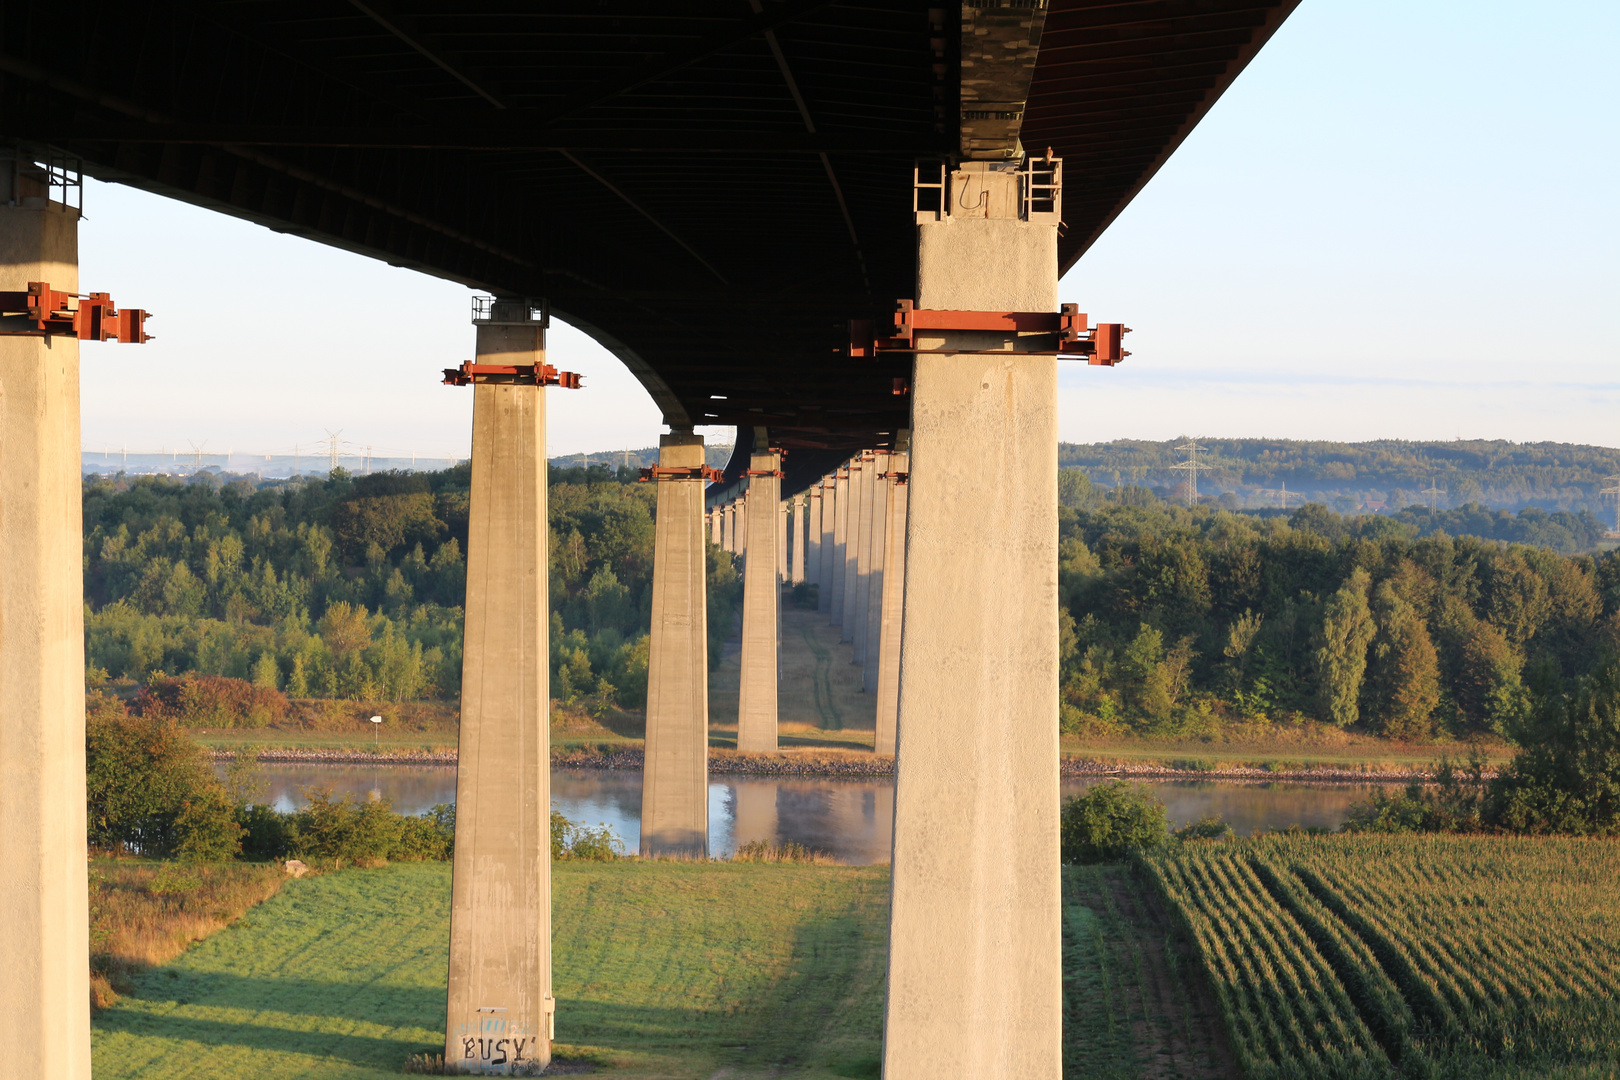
{"x": 571, "y": 840}
{"x": 1108, "y": 821}
{"x": 150, "y": 790}
{"x": 1208, "y": 827}
{"x": 211, "y": 701}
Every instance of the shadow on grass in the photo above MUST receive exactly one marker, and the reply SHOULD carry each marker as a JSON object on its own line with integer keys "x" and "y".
{"x": 372, "y": 1051}
{"x": 374, "y": 1001}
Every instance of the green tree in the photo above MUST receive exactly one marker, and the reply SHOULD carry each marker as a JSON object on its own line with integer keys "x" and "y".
{"x": 1341, "y": 658}
{"x": 1566, "y": 779}
{"x": 1108, "y": 821}
{"x": 1490, "y": 689}
{"x": 1407, "y": 684}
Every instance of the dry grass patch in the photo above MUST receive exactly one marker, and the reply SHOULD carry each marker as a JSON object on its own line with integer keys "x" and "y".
{"x": 143, "y": 914}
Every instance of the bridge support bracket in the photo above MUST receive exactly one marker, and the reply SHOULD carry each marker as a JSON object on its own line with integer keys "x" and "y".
{"x": 41, "y": 311}
{"x": 1071, "y": 338}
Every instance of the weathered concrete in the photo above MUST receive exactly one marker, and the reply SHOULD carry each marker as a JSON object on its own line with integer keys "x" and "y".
{"x": 863, "y": 559}
{"x": 974, "y": 977}
{"x": 756, "y": 698}
{"x": 812, "y": 548}
{"x": 849, "y": 613}
{"x": 877, "y": 559}
{"x": 675, "y": 781}
{"x": 741, "y": 518}
{"x": 500, "y": 1003}
{"x": 835, "y": 565}
{"x": 893, "y": 594}
{"x": 44, "y": 916}
{"x": 801, "y": 512}
{"x": 715, "y": 535}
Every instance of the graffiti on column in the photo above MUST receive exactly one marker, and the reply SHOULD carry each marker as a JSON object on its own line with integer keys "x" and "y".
{"x": 494, "y": 1043}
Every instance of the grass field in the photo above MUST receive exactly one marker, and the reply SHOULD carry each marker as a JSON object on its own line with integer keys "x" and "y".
{"x": 662, "y": 970}
{"x": 1282, "y": 751}
{"x": 1408, "y": 956}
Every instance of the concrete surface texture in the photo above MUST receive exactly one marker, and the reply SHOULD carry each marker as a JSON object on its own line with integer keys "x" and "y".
{"x": 44, "y": 905}
{"x": 756, "y": 696}
{"x": 675, "y": 782}
{"x": 835, "y": 563}
{"x": 715, "y": 536}
{"x": 974, "y": 980}
{"x": 500, "y": 1002}
{"x": 892, "y": 622}
{"x": 851, "y": 552}
{"x": 876, "y": 553}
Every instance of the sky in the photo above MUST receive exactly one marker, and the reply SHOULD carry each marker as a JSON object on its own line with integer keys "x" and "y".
{"x": 1399, "y": 222}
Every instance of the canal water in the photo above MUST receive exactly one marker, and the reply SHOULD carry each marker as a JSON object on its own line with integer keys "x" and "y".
{"x": 851, "y": 819}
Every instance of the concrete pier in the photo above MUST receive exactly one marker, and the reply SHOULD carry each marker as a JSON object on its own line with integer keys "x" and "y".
{"x": 782, "y": 572}
{"x": 44, "y": 916}
{"x": 835, "y": 564}
{"x": 715, "y": 535}
{"x": 675, "y": 781}
{"x": 500, "y": 1004}
{"x": 812, "y": 535}
{"x": 877, "y": 558}
{"x": 974, "y": 977}
{"x": 894, "y": 589}
{"x": 851, "y": 551}
{"x": 756, "y": 701}
{"x": 826, "y": 548}
{"x": 863, "y": 558}
{"x": 796, "y": 554}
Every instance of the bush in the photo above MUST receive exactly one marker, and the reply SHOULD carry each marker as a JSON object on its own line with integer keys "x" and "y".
{"x": 1105, "y": 823}
{"x": 211, "y": 701}
{"x": 1208, "y": 827}
{"x": 149, "y": 789}
{"x": 1453, "y": 804}
{"x": 571, "y": 840}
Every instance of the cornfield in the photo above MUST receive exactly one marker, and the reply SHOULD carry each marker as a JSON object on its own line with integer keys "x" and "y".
{"x": 1407, "y": 956}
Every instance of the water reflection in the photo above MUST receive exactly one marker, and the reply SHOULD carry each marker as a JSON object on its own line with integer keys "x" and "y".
{"x": 850, "y": 818}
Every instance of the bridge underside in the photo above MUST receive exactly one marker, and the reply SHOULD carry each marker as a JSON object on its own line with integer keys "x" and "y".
{"x": 711, "y": 189}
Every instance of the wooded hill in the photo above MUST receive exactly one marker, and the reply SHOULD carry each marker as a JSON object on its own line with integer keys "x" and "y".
{"x": 1382, "y": 475}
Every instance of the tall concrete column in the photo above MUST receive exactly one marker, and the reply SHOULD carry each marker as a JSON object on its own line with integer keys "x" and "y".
{"x": 796, "y": 571}
{"x": 894, "y": 590}
{"x": 877, "y": 559}
{"x": 742, "y": 525}
{"x": 500, "y": 1003}
{"x": 812, "y": 535}
{"x": 44, "y": 906}
{"x": 974, "y": 977}
{"x": 756, "y": 701}
{"x": 782, "y": 573}
{"x": 863, "y": 558}
{"x": 715, "y": 536}
{"x": 852, "y": 553}
{"x": 827, "y": 547}
{"x": 731, "y": 528}
{"x": 840, "y": 537}
{"x": 675, "y": 782}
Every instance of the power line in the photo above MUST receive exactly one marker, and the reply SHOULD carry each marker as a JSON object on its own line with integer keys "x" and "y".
{"x": 1433, "y": 493}
{"x": 332, "y": 441}
{"x": 1191, "y": 467}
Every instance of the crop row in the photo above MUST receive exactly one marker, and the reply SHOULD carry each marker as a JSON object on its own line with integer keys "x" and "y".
{"x": 1422, "y": 957}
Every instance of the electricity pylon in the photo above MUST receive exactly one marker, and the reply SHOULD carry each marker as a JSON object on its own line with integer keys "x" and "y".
{"x": 1191, "y": 467}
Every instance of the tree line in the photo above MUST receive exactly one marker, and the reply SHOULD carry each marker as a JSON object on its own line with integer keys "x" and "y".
{"x": 1396, "y": 472}
{"x": 1177, "y": 620}
{"x": 353, "y": 587}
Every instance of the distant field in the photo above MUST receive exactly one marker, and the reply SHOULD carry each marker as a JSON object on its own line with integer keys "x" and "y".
{"x": 1408, "y": 956}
